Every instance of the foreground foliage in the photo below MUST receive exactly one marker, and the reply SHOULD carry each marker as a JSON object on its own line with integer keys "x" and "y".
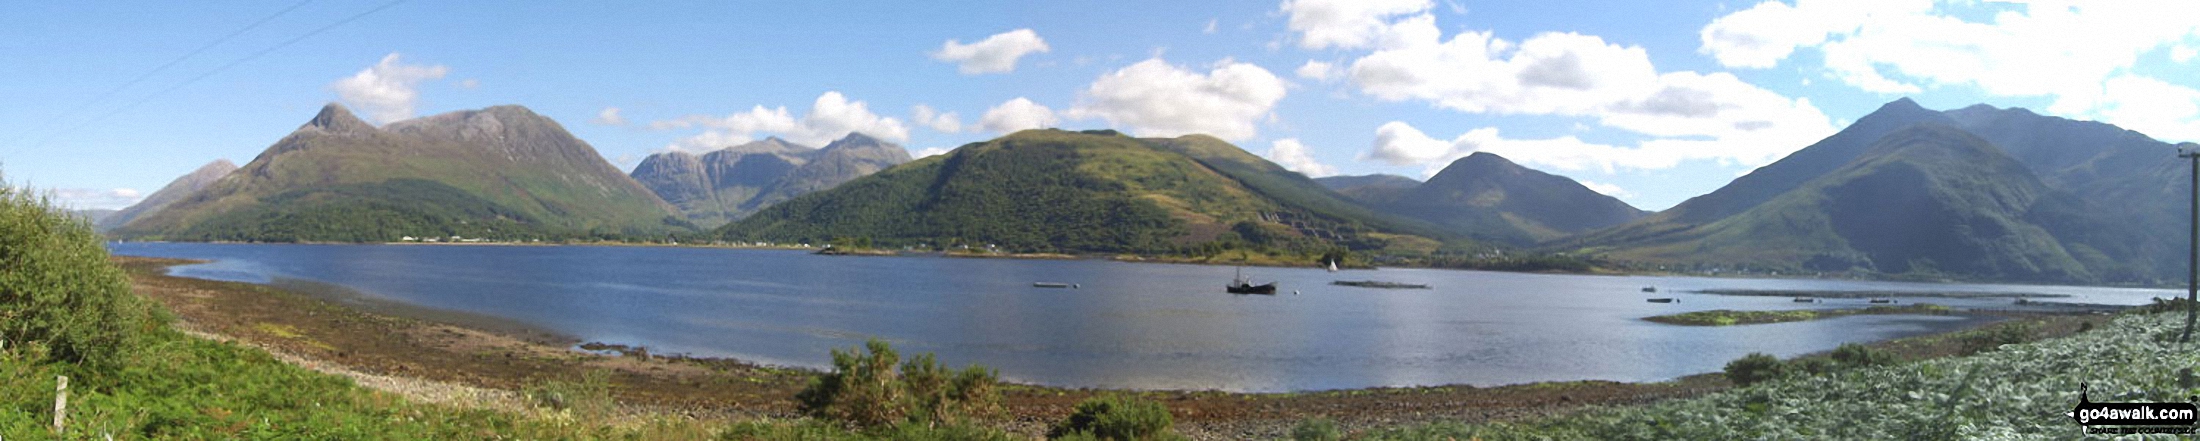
{"x": 2015, "y": 391}
{"x": 865, "y": 391}
{"x": 1117, "y": 418}
{"x": 57, "y": 291}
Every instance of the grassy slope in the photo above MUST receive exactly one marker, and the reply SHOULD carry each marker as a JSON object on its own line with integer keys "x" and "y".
{"x": 1063, "y": 191}
{"x": 558, "y": 190}
{"x": 1927, "y": 199}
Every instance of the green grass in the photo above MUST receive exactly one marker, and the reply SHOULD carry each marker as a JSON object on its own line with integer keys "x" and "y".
{"x": 1728, "y": 317}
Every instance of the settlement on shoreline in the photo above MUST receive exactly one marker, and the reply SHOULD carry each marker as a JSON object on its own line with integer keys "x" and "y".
{"x": 454, "y": 349}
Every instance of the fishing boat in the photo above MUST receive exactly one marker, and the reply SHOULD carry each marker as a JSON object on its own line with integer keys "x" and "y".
{"x": 1244, "y": 285}
{"x": 1665, "y": 300}
{"x": 1649, "y": 289}
{"x": 1884, "y": 301}
{"x": 1807, "y": 300}
{"x": 1053, "y": 285}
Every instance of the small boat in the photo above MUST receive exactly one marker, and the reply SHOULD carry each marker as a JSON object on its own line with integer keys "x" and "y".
{"x": 1883, "y": 301}
{"x": 1665, "y": 300}
{"x": 1649, "y": 289}
{"x": 1807, "y": 300}
{"x": 1244, "y": 285}
{"x": 1053, "y": 285}
{"x": 1332, "y": 266}
{"x": 1378, "y": 284}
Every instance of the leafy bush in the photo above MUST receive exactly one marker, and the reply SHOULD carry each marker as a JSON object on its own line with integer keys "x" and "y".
{"x": 864, "y": 390}
{"x": 1318, "y": 429}
{"x": 1753, "y": 368}
{"x": 1121, "y": 418}
{"x": 2017, "y": 392}
{"x": 1811, "y": 366}
{"x": 1998, "y": 335}
{"x": 1858, "y": 355}
{"x": 57, "y": 290}
{"x": 590, "y": 397}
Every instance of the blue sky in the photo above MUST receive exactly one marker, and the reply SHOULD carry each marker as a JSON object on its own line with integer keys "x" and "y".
{"x": 1653, "y": 102}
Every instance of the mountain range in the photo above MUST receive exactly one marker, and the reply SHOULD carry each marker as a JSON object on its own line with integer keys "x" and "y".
{"x": 176, "y": 190}
{"x": 1975, "y": 193}
{"x": 731, "y": 183}
{"x": 1093, "y": 191}
{"x": 500, "y": 172}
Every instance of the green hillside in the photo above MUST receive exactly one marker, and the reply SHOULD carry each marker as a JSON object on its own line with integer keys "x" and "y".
{"x": 1487, "y": 197}
{"x": 1926, "y": 200}
{"x": 501, "y": 172}
{"x": 1051, "y": 190}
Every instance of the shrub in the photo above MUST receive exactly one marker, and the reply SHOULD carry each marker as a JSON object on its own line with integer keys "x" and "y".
{"x": 1119, "y": 418}
{"x": 1319, "y": 429}
{"x": 864, "y": 390}
{"x": 590, "y": 397}
{"x": 1811, "y": 366}
{"x": 2002, "y": 334}
{"x": 57, "y": 289}
{"x": 1858, "y": 355}
{"x": 1753, "y": 368}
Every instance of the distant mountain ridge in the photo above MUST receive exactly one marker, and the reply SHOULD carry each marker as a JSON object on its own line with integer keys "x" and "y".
{"x": 176, "y": 190}
{"x": 1490, "y": 198}
{"x": 730, "y": 183}
{"x": 1095, "y": 191}
{"x": 1974, "y": 193}
{"x": 503, "y": 171}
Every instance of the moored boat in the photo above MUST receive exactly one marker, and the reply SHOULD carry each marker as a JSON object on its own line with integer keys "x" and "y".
{"x": 1665, "y": 300}
{"x": 1244, "y": 285}
{"x": 1053, "y": 285}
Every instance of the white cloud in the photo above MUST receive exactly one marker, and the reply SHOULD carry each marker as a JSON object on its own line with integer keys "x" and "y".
{"x": 943, "y": 122}
{"x": 470, "y": 83}
{"x": 1154, "y": 98}
{"x": 2160, "y": 109}
{"x": 933, "y": 151}
{"x": 1717, "y": 115}
{"x": 995, "y": 54}
{"x": 1398, "y": 143}
{"x": 1320, "y": 71}
{"x": 1293, "y": 155}
{"x": 2072, "y": 52}
{"x": 1606, "y": 189}
{"x": 609, "y": 116}
{"x": 387, "y": 90}
{"x": 1017, "y": 114}
{"x": 92, "y": 198}
{"x": 831, "y": 117}
{"x": 1210, "y": 29}
{"x": 1345, "y": 24}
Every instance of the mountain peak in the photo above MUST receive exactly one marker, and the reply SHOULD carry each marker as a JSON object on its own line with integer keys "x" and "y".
{"x": 856, "y": 137}
{"x": 337, "y": 119}
{"x": 859, "y": 140}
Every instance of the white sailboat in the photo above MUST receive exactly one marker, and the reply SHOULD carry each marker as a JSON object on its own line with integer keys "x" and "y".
{"x": 1332, "y": 266}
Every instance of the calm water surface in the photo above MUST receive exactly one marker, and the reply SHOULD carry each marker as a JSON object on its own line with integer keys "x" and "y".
{"x": 1130, "y": 325}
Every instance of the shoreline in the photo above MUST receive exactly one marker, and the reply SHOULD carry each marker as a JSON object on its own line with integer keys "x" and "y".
{"x": 447, "y": 349}
{"x": 1133, "y": 258}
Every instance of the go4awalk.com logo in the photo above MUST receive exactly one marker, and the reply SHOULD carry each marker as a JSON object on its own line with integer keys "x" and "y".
{"x": 2133, "y": 418}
